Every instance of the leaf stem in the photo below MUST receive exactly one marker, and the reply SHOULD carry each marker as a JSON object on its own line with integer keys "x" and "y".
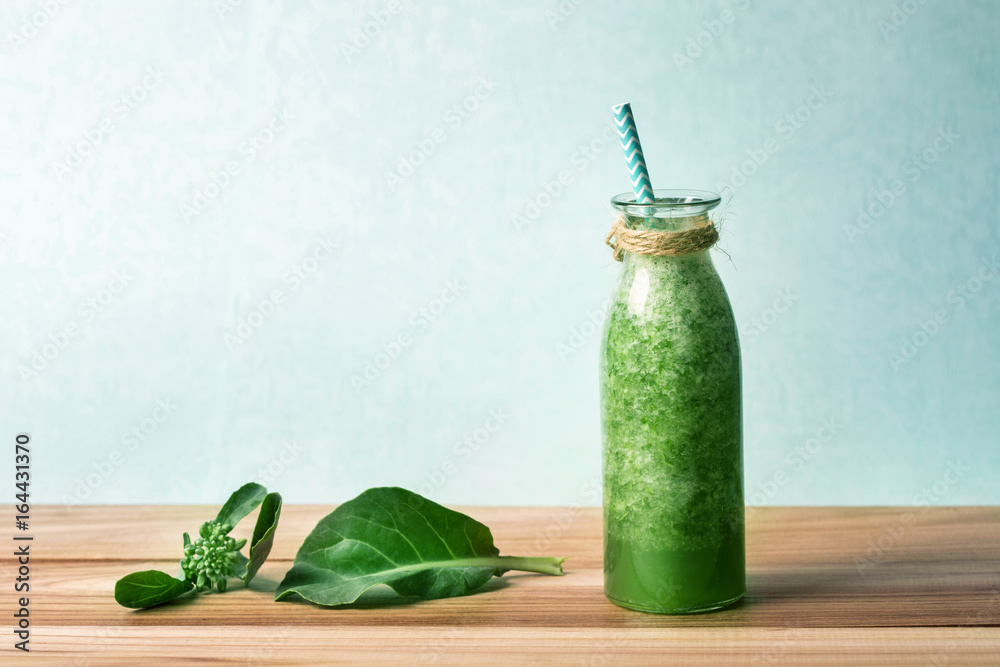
{"x": 541, "y": 565}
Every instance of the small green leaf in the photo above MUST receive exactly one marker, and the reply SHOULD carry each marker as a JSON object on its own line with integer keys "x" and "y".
{"x": 243, "y": 501}
{"x": 149, "y": 588}
{"x": 187, "y": 540}
{"x": 263, "y": 534}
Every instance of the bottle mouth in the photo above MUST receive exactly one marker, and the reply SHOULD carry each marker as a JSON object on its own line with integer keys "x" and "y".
{"x": 668, "y": 204}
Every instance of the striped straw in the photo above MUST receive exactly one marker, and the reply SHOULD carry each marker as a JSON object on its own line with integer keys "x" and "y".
{"x": 634, "y": 159}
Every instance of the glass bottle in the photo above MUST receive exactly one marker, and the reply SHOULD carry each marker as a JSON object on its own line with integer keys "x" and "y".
{"x": 672, "y": 425}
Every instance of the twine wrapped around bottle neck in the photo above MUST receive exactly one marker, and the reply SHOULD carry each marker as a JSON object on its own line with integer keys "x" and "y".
{"x": 662, "y": 243}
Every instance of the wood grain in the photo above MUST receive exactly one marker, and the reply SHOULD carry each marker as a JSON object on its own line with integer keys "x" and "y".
{"x": 826, "y": 586}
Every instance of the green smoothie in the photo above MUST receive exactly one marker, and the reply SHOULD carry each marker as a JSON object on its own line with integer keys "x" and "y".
{"x": 670, "y": 399}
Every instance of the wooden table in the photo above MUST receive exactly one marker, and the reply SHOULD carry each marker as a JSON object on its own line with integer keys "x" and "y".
{"x": 826, "y": 586}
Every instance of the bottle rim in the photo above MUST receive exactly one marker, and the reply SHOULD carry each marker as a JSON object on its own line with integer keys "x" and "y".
{"x": 668, "y": 203}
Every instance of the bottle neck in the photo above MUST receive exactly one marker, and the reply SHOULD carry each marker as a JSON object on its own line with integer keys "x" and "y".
{"x": 667, "y": 223}
{"x": 673, "y": 226}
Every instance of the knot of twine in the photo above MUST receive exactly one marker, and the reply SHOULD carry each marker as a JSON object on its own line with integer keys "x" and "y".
{"x": 648, "y": 242}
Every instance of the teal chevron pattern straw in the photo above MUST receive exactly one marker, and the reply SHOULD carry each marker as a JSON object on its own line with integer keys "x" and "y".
{"x": 634, "y": 159}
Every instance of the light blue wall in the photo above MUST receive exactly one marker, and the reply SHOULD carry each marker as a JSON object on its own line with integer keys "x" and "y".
{"x": 515, "y": 341}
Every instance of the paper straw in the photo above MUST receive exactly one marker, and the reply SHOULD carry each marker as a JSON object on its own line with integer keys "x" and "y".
{"x": 634, "y": 159}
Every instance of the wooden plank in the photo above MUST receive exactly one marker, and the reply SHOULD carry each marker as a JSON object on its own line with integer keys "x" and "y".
{"x": 815, "y": 591}
{"x": 774, "y": 534}
{"x": 448, "y": 645}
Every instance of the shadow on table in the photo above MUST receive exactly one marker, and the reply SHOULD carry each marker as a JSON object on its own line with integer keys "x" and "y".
{"x": 911, "y": 589}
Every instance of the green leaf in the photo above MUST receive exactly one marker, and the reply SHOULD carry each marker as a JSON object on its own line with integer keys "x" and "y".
{"x": 243, "y": 501}
{"x": 263, "y": 534}
{"x": 396, "y": 537}
{"x": 149, "y": 588}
